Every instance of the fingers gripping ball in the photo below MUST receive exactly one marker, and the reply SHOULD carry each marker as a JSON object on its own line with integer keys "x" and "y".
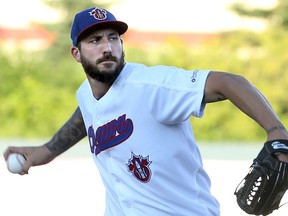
{"x": 15, "y": 163}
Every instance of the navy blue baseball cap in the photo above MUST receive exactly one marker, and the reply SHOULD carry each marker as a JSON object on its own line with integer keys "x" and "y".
{"x": 93, "y": 19}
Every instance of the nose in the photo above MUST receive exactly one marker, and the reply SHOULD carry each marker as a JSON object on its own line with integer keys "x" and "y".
{"x": 107, "y": 48}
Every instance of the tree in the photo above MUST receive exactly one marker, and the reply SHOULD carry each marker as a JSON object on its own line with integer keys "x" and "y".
{"x": 275, "y": 17}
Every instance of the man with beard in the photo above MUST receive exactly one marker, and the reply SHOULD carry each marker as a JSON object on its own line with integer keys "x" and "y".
{"x": 136, "y": 119}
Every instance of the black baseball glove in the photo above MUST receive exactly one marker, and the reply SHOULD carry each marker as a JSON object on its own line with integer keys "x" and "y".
{"x": 262, "y": 189}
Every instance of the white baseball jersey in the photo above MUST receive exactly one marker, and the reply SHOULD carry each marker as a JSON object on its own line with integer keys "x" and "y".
{"x": 143, "y": 145}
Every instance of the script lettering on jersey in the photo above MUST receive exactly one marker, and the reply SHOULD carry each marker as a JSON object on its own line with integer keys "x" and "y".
{"x": 109, "y": 135}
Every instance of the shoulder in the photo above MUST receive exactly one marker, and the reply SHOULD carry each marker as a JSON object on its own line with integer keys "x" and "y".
{"x": 84, "y": 88}
{"x": 166, "y": 75}
{"x": 84, "y": 85}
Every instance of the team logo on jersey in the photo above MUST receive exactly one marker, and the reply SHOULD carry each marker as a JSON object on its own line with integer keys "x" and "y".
{"x": 110, "y": 134}
{"x": 98, "y": 13}
{"x": 139, "y": 166}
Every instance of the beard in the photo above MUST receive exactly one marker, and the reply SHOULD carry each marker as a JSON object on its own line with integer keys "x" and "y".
{"x": 108, "y": 75}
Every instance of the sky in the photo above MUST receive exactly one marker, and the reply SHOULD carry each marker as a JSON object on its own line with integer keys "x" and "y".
{"x": 186, "y": 15}
{"x": 148, "y": 15}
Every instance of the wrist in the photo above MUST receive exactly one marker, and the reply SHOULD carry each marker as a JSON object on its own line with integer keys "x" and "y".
{"x": 275, "y": 128}
{"x": 277, "y": 132}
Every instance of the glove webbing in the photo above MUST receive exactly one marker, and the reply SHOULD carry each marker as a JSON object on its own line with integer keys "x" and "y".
{"x": 255, "y": 182}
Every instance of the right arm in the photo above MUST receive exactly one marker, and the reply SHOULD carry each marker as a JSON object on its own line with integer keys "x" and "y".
{"x": 67, "y": 136}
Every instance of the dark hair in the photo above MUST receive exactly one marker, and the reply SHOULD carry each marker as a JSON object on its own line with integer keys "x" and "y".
{"x": 78, "y": 45}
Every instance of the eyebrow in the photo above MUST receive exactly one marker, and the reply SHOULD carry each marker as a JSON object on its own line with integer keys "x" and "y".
{"x": 101, "y": 33}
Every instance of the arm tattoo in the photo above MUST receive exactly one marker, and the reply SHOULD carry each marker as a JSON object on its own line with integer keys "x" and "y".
{"x": 68, "y": 135}
{"x": 270, "y": 130}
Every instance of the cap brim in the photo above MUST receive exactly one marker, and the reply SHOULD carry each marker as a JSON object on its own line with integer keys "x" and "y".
{"x": 119, "y": 26}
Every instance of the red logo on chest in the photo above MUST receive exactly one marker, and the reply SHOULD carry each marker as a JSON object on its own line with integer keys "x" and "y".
{"x": 139, "y": 166}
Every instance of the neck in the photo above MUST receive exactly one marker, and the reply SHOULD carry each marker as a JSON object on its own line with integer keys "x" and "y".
{"x": 99, "y": 89}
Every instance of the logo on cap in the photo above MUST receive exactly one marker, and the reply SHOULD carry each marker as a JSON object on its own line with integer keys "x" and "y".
{"x": 98, "y": 13}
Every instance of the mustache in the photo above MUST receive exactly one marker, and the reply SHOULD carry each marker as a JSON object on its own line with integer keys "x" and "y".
{"x": 107, "y": 57}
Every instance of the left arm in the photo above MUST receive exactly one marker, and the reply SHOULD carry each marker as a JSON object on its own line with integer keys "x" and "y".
{"x": 237, "y": 89}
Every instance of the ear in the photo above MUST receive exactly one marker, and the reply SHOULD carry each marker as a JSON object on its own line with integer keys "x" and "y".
{"x": 76, "y": 54}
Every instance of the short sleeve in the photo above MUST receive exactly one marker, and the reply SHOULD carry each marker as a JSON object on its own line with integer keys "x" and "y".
{"x": 174, "y": 94}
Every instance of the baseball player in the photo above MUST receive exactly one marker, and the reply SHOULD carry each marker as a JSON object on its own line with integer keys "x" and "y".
{"x": 136, "y": 119}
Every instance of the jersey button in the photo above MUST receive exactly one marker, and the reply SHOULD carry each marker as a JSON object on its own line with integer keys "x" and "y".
{"x": 117, "y": 180}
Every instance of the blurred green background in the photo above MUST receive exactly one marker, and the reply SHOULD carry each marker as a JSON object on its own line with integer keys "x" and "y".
{"x": 37, "y": 90}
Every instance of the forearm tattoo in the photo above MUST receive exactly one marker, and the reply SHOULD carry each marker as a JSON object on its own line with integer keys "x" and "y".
{"x": 68, "y": 135}
{"x": 270, "y": 130}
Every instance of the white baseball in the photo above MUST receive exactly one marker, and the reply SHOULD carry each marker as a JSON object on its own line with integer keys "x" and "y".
{"x": 15, "y": 162}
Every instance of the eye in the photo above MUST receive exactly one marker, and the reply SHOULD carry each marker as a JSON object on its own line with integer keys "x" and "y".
{"x": 114, "y": 38}
{"x": 95, "y": 39}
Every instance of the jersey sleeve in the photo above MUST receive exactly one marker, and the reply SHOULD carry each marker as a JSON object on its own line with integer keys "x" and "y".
{"x": 173, "y": 94}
